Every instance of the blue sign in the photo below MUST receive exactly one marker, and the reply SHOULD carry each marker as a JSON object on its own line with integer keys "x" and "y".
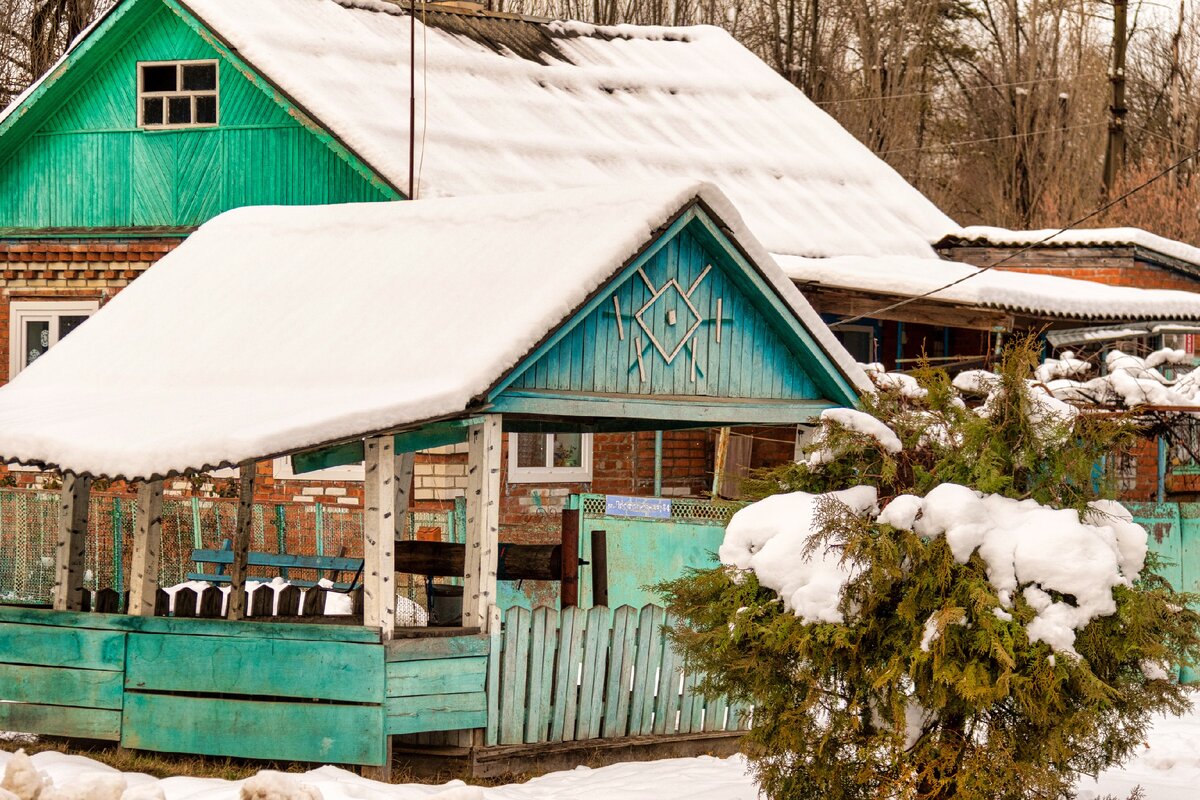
{"x": 654, "y": 507}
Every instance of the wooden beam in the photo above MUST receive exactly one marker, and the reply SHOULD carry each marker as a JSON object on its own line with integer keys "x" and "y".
{"x": 72, "y": 542}
{"x": 405, "y": 462}
{"x": 848, "y": 303}
{"x": 241, "y": 540}
{"x": 379, "y": 536}
{"x": 483, "y": 521}
{"x": 147, "y": 544}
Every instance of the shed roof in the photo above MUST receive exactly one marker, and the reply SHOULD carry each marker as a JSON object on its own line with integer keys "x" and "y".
{"x": 1077, "y": 237}
{"x": 1009, "y": 290}
{"x": 275, "y": 329}
{"x": 514, "y": 105}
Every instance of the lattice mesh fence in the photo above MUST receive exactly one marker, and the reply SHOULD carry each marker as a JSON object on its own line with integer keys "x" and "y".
{"x": 594, "y": 505}
{"x": 29, "y": 524}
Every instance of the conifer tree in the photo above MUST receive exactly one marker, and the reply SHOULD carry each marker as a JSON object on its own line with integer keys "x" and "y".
{"x": 870, "y": 707}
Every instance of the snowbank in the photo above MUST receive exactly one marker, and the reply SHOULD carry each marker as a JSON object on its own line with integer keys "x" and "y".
{"x": 1021, "y": 542}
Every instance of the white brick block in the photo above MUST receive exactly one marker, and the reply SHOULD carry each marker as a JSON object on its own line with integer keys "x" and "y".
{"x": 335, "y": 491}
{"x": 313, "y": 491}
{"x": 302, "y": 498}
{"x": 348, "y": 501}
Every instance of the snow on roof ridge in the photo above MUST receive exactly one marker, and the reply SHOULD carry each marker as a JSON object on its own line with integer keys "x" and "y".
{"x": 1082, "y": 236}
{"x": 1009, "y": 290}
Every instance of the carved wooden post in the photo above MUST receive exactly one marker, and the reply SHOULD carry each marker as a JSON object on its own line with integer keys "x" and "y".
{"x": 241, "y": 540}
{"x": 71, "y": 545}
{"x": 483, "y": 522}
{"x": 379, "y": 536}
{"x": 147, "y": 544}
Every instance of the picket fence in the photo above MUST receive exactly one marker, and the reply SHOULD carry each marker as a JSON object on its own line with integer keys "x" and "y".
{"x": 595, "y": 673}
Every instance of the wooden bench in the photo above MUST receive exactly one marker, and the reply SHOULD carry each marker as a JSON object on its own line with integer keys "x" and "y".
{"x": 333, "y": 566}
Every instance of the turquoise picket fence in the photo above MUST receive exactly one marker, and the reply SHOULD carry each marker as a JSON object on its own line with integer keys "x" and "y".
{"x": 595, "y": 673}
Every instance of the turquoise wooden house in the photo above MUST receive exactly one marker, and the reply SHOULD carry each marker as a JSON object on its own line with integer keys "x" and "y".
{"x": 648, "y": 305}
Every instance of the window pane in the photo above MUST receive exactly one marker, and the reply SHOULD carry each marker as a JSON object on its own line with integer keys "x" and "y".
{"x": 152, "y": 111}
{"x": 37, "y": 339}
{"x": 200, "y": 77}
{"x": 568, "y": 449}
{"x": 206, "y": 109}
{"x": 68, "y": 324}
{"x": 159, "y": 79}
{"x": 531, "y": 450}
{"x": 179, "y": 110}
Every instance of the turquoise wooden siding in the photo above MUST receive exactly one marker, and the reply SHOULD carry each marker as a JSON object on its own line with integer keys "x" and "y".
{"x": 600, "y": 355}
{"x": 87, "y": 165}
{"x": 690, "y": 318}
{"x": 436, "y": 684}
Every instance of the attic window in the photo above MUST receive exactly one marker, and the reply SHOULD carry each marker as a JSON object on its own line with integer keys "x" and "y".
{"x": 177, "y": 94}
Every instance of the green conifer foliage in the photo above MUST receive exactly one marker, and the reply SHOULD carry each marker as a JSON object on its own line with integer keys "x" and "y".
{"x": 859, "y": 709}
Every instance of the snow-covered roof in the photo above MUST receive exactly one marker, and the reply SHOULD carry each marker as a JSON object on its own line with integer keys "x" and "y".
{"x": 1080, "y": 237}
{"x": 581, "y": 105}
{"x": 1008, "y": 290}
{"x": 273, "y": 329}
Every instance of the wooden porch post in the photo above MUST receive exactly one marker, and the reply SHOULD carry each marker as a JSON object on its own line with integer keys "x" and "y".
{"x": 241, "y": 540}
{"x": 379, "y": 534}
{"x": 71, "y": 544}
{"x": 483, "y": 522}
{"x": 147, "y": 544}
{"x": 405, "y": 463}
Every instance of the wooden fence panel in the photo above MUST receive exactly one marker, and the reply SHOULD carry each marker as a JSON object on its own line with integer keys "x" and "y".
{"x": 595, "y": 673}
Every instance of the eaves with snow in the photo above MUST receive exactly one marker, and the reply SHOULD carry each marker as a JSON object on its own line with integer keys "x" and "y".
{"x": 634, "y": 302}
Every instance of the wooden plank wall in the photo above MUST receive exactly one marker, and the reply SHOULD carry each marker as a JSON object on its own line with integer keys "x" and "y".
{"x": 596, "y": 673}
{"x": 244, "y": 689}
{"x": 61, "y": 681}
{"x": 435, "y": 684}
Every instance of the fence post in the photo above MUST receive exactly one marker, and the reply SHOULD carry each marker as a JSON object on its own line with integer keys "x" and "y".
{"x": 147, "y": 548}
{"x": 319, "y": 524}
{"x": 281, "y": 535}
{"x": 70, "y": 548}
{"x": 118, "y": 522}
{"x": 197, "y": 537}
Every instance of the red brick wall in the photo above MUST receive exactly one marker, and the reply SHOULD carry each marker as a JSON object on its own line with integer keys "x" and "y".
{"x": 1117, "y": 266}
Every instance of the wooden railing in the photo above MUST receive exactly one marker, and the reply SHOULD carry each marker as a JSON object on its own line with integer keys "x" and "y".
{"x": 595, "y": 673}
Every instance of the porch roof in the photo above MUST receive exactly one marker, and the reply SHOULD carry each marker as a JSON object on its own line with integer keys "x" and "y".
{"x": 273, "y": 330}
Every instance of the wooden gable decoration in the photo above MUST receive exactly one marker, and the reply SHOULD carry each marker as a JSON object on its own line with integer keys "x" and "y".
{"x": 688, "y": 331}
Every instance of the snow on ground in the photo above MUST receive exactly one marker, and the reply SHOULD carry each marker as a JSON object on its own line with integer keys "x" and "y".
{"x": 1167, "y": 768}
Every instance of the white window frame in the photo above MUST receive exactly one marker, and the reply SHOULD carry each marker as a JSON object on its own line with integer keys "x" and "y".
{"x": 580, "y": 474}
{"x": 22, "y": 311}
{"x": 282, "y": 469}
{"x": 192, "y": 93}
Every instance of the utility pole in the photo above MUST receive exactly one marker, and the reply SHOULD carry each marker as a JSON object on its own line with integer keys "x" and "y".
{"x": 1114, "y": 154}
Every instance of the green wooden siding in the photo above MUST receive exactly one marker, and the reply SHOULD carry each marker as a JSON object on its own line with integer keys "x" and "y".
{"x": 88, "y": 166}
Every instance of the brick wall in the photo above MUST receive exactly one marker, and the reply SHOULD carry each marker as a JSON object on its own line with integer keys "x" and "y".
{"x": 1117, "y": 266}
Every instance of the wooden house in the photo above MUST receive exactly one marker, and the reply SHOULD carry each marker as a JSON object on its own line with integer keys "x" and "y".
{"x": 640, "y": 306}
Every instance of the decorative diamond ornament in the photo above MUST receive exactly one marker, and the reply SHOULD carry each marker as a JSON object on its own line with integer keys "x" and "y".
{"x": 675, "y": 334}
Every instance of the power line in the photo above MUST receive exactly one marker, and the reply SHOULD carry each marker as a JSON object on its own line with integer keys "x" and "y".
{"x": 882, "y": 97}
{"x": 1093, "y": 213}
{"x": 952, "y": 145}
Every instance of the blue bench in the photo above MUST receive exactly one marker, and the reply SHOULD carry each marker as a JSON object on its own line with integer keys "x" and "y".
{"x": 332, "y": 566}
